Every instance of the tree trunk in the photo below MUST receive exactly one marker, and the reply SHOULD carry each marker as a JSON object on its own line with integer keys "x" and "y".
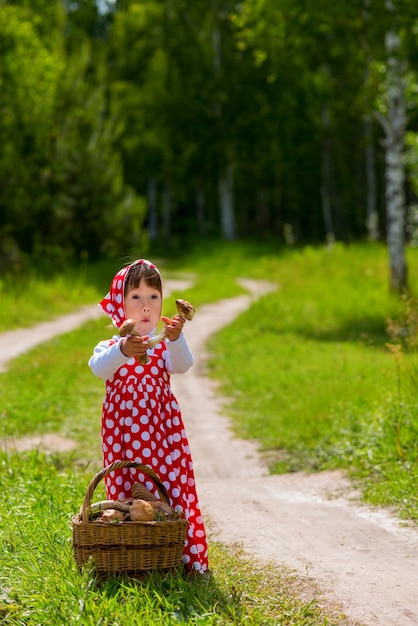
{"x": 226, "y": 180}
{"x": 262, "y": 215}
{"x": 200, "y": 212}
{"x": 395, "y": 125}
{"x": 167, "y": 213}
{"x": 226, "y": 202}
{"x": 372, "y": 218}
{"x": 326, "y": 177}
{"x": 152, "y": 210}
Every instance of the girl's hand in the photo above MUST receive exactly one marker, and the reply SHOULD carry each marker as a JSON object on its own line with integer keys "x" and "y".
{"x": 134, "y": 346}
{"x": 173, "y": 327}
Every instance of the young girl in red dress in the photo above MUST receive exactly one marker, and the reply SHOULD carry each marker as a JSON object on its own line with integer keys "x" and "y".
{"x": 141, "y": 419}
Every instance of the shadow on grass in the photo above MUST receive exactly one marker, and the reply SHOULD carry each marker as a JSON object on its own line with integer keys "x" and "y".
{"x": 369, "y": 330}
{"x": 174, "y": 595}
{"x": 365, "y": 330}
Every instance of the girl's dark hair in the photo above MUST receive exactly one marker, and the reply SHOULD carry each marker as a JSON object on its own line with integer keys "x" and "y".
{"x": 142, "y": 271}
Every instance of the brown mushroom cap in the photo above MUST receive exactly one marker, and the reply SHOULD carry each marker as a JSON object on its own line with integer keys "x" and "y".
{"x": 185, "y": 309}
{"x": 112, "y": 515}
{"x": 127, "y": 328}
{"x": 141, "y": 511}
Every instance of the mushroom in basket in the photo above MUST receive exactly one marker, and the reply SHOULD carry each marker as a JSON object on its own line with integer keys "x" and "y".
{"x": 132, "y": 509}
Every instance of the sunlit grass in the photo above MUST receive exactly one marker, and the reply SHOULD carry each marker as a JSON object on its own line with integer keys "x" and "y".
{"x": 40, "y": 583}
{"x": 30, "y": 295}
{"x": 306, "y": 371}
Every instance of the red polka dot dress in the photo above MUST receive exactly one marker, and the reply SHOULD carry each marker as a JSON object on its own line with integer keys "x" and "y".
{"x": 142, "y": 422}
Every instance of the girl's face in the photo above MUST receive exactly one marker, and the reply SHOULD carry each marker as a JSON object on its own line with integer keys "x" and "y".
{"x": 143, "y": 304}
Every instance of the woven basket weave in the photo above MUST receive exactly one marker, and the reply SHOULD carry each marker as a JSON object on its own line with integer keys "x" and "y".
{"x": 127, "y": 546}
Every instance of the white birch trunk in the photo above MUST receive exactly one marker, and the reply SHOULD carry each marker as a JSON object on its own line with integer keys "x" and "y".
{"x": 372, "y": 218}
{"x": 395, "y": 126}
{"x": 226, "y": 201}
{"x": 226, "y": 180}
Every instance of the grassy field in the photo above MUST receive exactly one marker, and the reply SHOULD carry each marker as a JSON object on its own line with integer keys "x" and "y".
{"x": 315, "y": 376}
{"x": 39, "y": 582}
{"x": 311, "y": 371}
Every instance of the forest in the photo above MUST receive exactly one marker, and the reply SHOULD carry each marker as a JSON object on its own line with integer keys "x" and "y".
{"x": 131, "y": 123}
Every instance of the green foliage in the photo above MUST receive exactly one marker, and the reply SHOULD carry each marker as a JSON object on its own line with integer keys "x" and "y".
{"x": 104, "y": 102}
{"x": 63, "y": 189}
{"x": 29, "y": 73}
{"x": 29, "y": 78}
{"x": 86, "y": 172}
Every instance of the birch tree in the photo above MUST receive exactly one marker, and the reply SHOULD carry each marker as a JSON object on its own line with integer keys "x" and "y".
{"x": 372, "y": 217}
{"x": 226, "y": 175}
{"x": 394, "y": 123}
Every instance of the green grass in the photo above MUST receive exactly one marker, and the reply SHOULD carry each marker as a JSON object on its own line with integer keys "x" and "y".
{"x": 32, "y": 295}
{"x": 40, "y": 583}
{"x": 307, "y": 371}
{"x": 51, "y": 388}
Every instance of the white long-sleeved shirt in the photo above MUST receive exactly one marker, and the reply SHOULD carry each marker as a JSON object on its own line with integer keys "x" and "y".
{"x": 107, "y": 357}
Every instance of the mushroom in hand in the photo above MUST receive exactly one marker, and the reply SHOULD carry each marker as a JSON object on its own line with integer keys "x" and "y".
{"x": 128, "y": 328}
{"x": 185, "y": 310}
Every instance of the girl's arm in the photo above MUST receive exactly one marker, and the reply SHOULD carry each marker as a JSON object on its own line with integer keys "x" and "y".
{"x": 179, "y": 356}
{"x": 107, "y": 358}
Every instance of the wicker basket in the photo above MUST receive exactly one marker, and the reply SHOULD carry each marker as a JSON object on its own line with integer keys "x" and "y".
{"x": 127, "y": 546}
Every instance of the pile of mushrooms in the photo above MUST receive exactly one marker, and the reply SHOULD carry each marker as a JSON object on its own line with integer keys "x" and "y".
{"x": 185, "y": 310}
{"x": 131, "y": 510}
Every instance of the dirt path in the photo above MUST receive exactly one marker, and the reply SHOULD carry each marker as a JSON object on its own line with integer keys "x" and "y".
{"x": 363, "y": 560}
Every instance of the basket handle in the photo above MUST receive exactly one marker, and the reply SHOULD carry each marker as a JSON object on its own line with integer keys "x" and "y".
{"x": 84, "y": 513}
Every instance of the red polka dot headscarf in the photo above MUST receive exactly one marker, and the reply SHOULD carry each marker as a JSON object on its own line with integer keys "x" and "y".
{"x": 114, "y": 302}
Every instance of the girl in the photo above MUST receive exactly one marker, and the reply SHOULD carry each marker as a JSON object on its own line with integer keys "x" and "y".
{"x": 141, "y": 420}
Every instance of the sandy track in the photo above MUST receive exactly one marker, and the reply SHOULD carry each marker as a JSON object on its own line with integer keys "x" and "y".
{"x": 363, "y": 559}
